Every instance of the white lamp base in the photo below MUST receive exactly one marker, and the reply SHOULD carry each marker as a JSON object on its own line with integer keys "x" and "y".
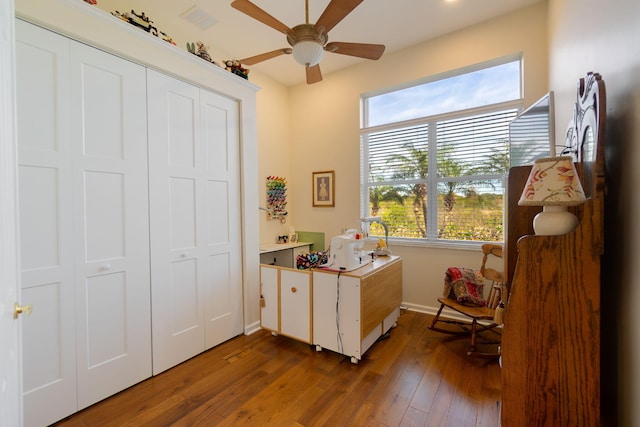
{"x": 554, "y": 221}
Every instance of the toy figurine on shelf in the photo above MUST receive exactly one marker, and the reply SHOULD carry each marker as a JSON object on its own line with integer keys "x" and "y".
{"x": 166, "y": 38}
{"x": 236, "y": 68}
{"x": 142, "y": 21}
{"x": 201, "y": 51}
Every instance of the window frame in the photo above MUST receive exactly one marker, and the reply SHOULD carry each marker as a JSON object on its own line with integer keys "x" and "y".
{"x": 433, "y": 179}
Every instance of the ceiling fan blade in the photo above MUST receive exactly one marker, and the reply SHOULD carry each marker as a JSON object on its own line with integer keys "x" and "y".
{"x": 264, "y": 56}
{"x": 313, "y": 74}
{"x": 335, "y": 12}
{"x": 248, "y": 8}
{"x": 362, "y": 50}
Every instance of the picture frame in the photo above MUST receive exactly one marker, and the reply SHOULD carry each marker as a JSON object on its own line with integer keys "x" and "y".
{"x": 323, "y": 189}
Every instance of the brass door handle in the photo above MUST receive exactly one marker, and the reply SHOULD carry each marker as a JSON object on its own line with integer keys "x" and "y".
{"x": 19, "y": 309}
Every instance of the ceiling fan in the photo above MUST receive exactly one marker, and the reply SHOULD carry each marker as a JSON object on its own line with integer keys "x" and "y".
{"x": 309, "y": 41}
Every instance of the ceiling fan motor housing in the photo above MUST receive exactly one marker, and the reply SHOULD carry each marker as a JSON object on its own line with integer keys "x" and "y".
{"x": 307, "y": 43}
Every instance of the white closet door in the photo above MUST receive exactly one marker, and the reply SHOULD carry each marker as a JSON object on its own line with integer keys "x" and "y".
{"x": 220, "y": 162}
{"x": 111, "y": 223}
{"x": 46, "y": 225}
{"x": 195, "y": 214}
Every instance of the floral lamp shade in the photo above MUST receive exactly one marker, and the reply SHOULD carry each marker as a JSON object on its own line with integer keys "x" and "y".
{"x": 554, "y": 184}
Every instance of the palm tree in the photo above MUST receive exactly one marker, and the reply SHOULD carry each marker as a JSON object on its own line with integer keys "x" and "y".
{"x": 414, "y": 164}
{"x": 383, "y": 193}
{"x": 448, "y": 166}
{"x": 495, "y": 163}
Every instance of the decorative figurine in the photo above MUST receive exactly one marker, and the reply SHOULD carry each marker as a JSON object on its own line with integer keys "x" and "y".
{"x": 236, "y": 68}
{"x": 201, "y": 51}
{"x": 141, "y": 21}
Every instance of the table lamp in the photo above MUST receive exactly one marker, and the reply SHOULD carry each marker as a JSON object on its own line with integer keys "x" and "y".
{"x": 553, "y": 184}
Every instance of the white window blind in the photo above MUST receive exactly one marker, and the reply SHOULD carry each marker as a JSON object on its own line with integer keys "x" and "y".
{"x": 440, "y": 177}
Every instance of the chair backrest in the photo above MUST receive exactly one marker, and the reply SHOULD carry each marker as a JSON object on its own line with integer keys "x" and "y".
{"x": 495, "y": 277}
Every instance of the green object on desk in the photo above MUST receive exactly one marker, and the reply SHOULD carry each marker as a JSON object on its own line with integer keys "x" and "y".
{"x": 315, "y": 238}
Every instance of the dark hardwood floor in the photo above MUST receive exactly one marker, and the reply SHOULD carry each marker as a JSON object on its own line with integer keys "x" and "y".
{"x": 416, "y": 377}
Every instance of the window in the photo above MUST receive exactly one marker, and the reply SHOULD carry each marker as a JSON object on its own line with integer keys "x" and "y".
{"x": 460, "y": 125}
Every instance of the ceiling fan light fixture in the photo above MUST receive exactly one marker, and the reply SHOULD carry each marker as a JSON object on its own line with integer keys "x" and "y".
{"x": 308, "y": 53}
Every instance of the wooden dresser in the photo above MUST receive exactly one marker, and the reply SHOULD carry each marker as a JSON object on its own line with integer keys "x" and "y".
{"x": 551, "y": 339}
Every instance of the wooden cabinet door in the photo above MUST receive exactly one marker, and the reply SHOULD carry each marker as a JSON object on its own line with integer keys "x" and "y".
{"x": 269, "y": 298}
{"x": 295, "y": 304}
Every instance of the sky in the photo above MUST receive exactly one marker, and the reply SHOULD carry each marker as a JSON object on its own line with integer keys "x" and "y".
{"x": 475, "y": 89}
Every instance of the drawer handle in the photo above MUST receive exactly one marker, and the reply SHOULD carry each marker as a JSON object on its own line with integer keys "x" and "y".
{"x": 294, "y": 290}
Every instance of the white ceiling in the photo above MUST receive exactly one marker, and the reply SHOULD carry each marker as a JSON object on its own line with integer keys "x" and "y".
{"x": 395, "y": 23}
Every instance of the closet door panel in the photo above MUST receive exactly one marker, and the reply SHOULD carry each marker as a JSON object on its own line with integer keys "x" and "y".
{"x": 220, "y": 165}
{"x": 195, "y": 213}
{"x": 176, "y": 220}
{"x": 182, "y": 108}
{"x": 102, "y": 98}
{"x": 184, "y": 318}
{"x": 218, "y": 232}
{"x": 105, "y": 215}
{"x": 40, "y": 216}
{"x": 111, "y": 219}
{"x": 106, "y": 325}
{"x": 182, "y": 198}
{"x": 46, "y": 224}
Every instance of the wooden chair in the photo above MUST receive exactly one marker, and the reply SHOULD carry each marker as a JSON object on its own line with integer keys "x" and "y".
{"x": 481, "y": 319}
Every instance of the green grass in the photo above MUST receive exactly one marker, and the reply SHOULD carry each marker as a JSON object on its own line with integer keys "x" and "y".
{"x": 474, "y": 218}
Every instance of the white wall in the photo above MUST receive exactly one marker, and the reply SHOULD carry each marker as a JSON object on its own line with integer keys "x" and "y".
{"x": 325, "y": 129}
{"x": 591, "y": 35}
{"x": 274, "y": 139}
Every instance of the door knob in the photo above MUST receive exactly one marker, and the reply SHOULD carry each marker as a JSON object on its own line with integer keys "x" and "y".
{"x": 19, "y": 309}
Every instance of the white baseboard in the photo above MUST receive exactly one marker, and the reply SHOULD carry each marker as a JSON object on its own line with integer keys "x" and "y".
{"x": 446, "y": 313}
{"x": 252, "y": 328}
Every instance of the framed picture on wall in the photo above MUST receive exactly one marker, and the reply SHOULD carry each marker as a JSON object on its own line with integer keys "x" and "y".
{"x": 324, "y": 188}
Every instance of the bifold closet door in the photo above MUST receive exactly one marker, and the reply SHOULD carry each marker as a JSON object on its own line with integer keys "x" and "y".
{"x": 113, "y": 290}
{"x": 84, "y": 234}
{"x": 195, "y": 219}
{"x": 46, "y": 225}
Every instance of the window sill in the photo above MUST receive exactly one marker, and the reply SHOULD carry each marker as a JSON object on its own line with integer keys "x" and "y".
{"x": 424, "y": 243}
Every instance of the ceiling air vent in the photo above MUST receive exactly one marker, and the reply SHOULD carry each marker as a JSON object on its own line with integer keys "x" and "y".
{"x": 198, "y": 17}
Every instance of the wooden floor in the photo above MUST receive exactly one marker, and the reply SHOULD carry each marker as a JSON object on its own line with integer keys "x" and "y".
{"x": 416, "y": 377}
